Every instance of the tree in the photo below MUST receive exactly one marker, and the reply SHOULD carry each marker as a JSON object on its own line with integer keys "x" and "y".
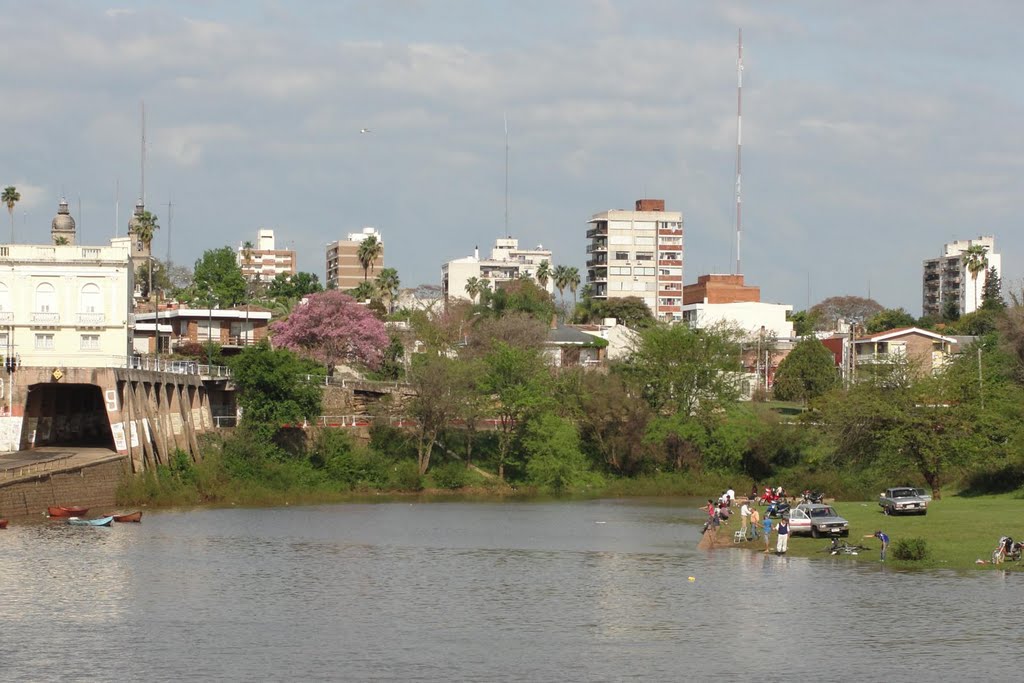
{"x": 572, "y": 281}
{"x": 364, "y": 291}
{"x": 473, "y": 288}
{"x": 332, "y": 328}
{"x": 295, "y": 286}
{"x": 434, "y": 403}
{"x": 10, "y": 197}
{"x": 560, "y": 275}
{"x": 612, "y": 422}
{"x": 684, "y": 370}
{"x": 517, "y": 380}
{"x": 889, "y": 319}
{"x": 554, "y": 459}
{"x": 60, "y": 241}
{"x": 630, "y": 311}
{"x": 370, "y": 249}
{"x": 521, "y": 296}
{"x": 850, "y": 308}
{"x": 950, "y": 311}
{"x": 808, "y": 372}
{"x": 217, "y": 278}
{"x": 992, "y": 292}
{"x": 158, "y": 279}
{"x": 387, "y": 285}
{"x": 544, "y": 273}
{"x": 272, "y": 388}
{"x": 516, "y": 329}
{"x": 804, "y": 323}
{"x": 976, "y": 261}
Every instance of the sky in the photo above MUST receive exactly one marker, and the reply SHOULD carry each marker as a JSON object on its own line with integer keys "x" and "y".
{"x": 873, "y": 132}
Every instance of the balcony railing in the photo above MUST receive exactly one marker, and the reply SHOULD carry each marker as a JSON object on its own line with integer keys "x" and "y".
{"x": 44, "y": 318}
{"x": 6, "y": 316}
{"x": 92, "y": 318}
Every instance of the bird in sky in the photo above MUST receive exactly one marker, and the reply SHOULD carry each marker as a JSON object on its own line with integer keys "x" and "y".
{"x": 365, "y": 130}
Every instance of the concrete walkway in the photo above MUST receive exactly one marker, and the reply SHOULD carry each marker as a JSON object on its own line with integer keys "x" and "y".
{"x": 21, "y": 464}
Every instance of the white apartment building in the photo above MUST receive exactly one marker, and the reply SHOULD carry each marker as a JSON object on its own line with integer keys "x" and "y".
{"x": 507, "y": 262}
{"x": 344, "y": 271}
{"x": 263, "y": 261}
{"x": 66, "y": 305}
{"x": 638, "y": 253}
{"x": 947, "y": 279}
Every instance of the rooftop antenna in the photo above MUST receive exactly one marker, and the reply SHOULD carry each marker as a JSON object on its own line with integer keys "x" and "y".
{"x": 81, "y": 222}
{"x": 142, "y": 155}
{"x": 170, "y": 215}
{"x": 507, "y": 234}
{"x": 739, "y": 149}
{"x": 117, "y": 204}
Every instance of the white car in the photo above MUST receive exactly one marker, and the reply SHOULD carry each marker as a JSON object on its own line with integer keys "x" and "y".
{"x": 817, "y": 520}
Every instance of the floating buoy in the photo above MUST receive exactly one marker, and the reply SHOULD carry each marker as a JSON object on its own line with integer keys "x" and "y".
{"x": 691, "y": 578}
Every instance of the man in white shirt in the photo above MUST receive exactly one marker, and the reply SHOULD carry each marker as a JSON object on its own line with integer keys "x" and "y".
{"x": 744, "y": 518}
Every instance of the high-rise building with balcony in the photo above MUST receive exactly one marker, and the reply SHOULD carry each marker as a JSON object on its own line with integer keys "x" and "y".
{"x": 262, "y": 261}
{"x": 948, "y": 282}
{"x": 508, "y": 262}
{"x": 638, "y": 253}
{"x": 344, "y": 271}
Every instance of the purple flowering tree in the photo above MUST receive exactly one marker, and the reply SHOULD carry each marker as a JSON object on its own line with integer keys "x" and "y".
{"x": 332, "y": 328}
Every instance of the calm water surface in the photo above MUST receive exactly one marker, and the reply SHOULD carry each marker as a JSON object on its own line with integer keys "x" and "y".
{"x": 569, "y": 591}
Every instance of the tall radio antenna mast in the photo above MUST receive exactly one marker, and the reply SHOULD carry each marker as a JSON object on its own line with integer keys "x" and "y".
{"x": 142, "y": 156}
{"x": 739, "y": 150}
{"x": 506, "y": 176}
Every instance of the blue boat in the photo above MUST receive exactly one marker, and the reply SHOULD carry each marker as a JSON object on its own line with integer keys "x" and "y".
{"x": 99, "y": 521}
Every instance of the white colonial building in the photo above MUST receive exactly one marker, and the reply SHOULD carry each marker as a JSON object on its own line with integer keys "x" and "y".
{"x": 66, "y": 305}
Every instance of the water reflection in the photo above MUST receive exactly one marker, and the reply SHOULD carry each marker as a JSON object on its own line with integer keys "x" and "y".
{"x": 471, "y": 591}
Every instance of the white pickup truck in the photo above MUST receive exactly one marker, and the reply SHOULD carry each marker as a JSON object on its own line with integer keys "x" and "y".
{"x": 902, "y": 500}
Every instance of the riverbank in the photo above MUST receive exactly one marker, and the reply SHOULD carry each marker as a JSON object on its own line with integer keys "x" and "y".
{"x": 959, "y": 530}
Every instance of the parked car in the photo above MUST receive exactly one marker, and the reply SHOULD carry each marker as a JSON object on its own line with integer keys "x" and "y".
{"x": 901, "y": 500}
{"x": 817, "y": 520}
{"x": 925, "y": 493}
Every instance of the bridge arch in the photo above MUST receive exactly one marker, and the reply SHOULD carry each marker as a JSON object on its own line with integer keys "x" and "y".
{"x": 62, "y": 414}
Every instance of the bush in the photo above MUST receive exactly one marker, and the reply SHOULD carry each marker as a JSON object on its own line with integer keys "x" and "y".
{"x": 405, "y": 476}
{"x": 910, "y": 549}
{"x": 452, "y": 475}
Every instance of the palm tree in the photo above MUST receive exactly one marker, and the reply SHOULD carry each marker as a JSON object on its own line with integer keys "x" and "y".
{"x": 387, "y": 284}
{"x": 561, "y": 277}
{"x": 145, "y": 229}
{"x": 543, "y": 273}
{"x": 485, "y": 288}
{"x": 473, "y": 288}
{"x": 976, "y": 261}
{"x": 572, "y": 281}
{"x": 10, "y": 197}
{"x": 370, "y": 249}
{"x": 60, "y": 240}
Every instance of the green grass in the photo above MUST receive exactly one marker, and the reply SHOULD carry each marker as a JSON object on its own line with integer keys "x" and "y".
{"x": 958, "y": 530}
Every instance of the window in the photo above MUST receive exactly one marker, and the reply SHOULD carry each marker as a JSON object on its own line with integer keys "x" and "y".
{"x": 3, "y": 343}
{"x": 644, "y": 256}
{"x": 44, "y": 341}
{"x": 46, "y": 298}
{"x": 619, "y": 270}
{"x": 91, "y": 299}
{"x": 90, "y": 342}
{"x": 5, "y": 298}
{"x": 622, "y": 256}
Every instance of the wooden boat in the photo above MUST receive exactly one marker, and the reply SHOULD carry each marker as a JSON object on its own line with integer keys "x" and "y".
{"x": 129, "y": 517}
{"x": 99, "y": 521}
{"x": 66, "y": 511}
{"x": 3, "y": 523}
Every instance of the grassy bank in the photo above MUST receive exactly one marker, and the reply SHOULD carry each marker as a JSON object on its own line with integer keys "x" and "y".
{"x": 958, "y": 530}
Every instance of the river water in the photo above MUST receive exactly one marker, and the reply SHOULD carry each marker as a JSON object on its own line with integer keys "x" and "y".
{"x": 562, "y": 591}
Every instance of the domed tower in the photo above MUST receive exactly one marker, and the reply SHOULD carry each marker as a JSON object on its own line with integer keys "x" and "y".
{"x": 62, "y": 229}
{"x": 140, "y": 250}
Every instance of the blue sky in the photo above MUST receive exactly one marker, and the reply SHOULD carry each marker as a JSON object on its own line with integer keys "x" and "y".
{"x": 873, "y": 131}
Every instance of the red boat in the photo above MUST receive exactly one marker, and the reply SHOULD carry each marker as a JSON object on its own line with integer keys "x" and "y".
{"x": 129, "y": 517}
{"x": 64, "y": 511}
{"x": 3, "y": 523}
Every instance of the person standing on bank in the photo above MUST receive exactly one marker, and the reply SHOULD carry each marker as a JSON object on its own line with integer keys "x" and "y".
{"x": 783, "y": 532}
{"x": 884, "y": 538}
{"x": 755, "y": 520}
{"x": 766, "y": 527}
{"x": 744, "y": 518}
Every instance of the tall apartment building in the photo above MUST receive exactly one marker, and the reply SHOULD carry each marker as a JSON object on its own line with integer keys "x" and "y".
{"x": 638, "y": 253}
{"x": 344, "y": 271}
{"x": 507, "y": 262}
{"x": 263, "y": 261}
{"x": 947, "y": 279}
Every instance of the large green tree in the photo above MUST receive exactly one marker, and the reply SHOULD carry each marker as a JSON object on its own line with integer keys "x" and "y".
{"x": 827, "y": 313}
{"x": 808, "y": 372}
{"x": 992, "y": 292}
{"x": 273, "y": 390}
{"x": 889, "y": 319}
{"x": 217, "y": 279}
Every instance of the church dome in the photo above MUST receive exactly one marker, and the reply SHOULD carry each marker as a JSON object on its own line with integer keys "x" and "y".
{"x": 63, "y": 222}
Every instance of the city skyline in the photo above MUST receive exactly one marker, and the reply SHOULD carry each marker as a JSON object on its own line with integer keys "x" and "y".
{"x": 871, "y": 133}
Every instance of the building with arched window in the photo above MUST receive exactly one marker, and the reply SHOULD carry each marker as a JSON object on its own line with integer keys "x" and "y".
{"x": 65, "y": 305}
